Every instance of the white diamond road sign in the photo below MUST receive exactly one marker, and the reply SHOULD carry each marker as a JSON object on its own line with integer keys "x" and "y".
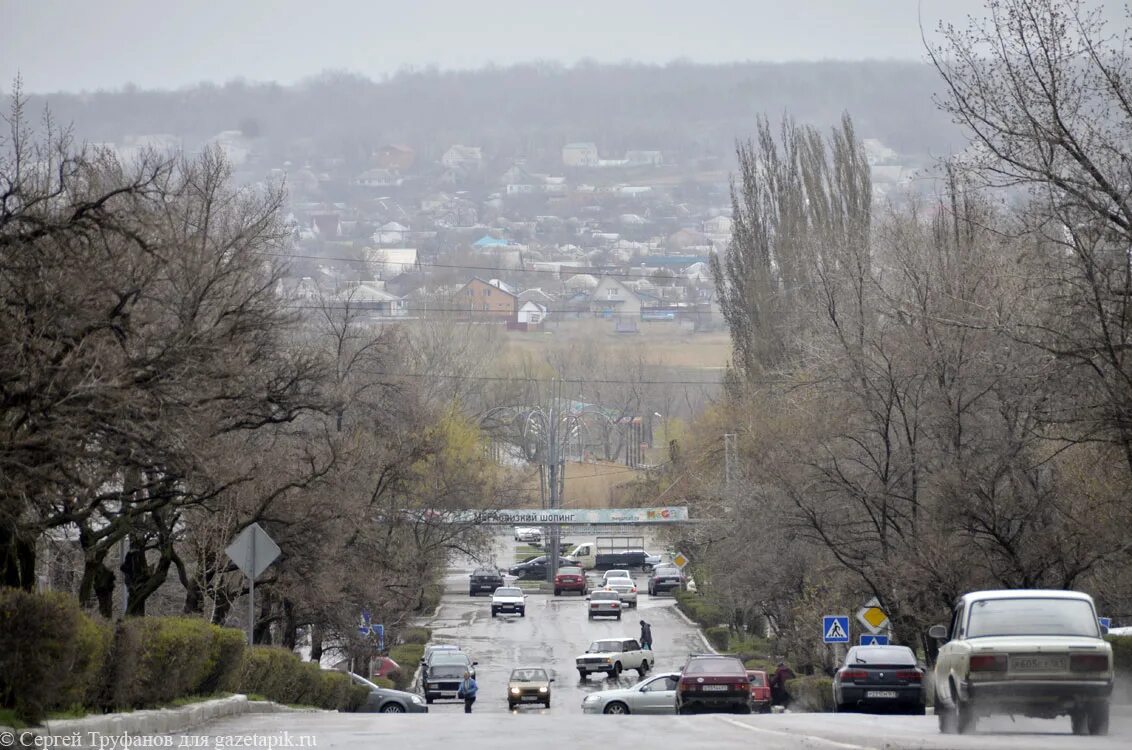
{"x": 253, "y": 550}
{"x": 835, "y": 628}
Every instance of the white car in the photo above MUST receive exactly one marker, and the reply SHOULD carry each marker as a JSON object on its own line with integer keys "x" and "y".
{"x": 1028, "y": 652}
{"x": 528, "y": 534}
{"x": 604, "y": 604}
{"x": 652, "y": 695}
{"x": 615, "y": 574}
{"x": 625, "y": 588}
{"x": 612, "y": 656}
{"x": 509, "y": 599}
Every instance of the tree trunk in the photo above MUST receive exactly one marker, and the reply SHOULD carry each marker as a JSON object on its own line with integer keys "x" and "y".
{"x": 17, "y": 559}
{"x": 316, "y": 643}
{"x": 289, "y": 632}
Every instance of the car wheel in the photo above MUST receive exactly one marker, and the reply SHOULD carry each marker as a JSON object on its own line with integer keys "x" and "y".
{"x": 965, "y": 721}
{"x": 392, "y": 708}
{"x": 546, "y": 703}
{"x": 1098, "y": 718}
{"x": 643, "y": 668}
{"x": 558, "y": 592}
{"x": 493, "y": 613}
{"x": 617, "y": 669}
{"x": 510, "y": 705}
{"x": 582, "y": 675}
{"x": 523, "y": 612}
{"x": 619, "y": 616}
{"x": 744, "y": 709}
{"x": 428, "y": 699}
{"x": 683, "y": 710}
{"x": 1079, "y": 720}
{"x": 616, "y": 707}
{"x": 591, "y": 615}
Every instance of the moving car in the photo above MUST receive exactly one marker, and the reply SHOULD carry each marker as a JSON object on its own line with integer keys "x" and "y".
{"x": 385, "y": 701}
{"x": 713, "y": 683}
{"x": 509, "y": 599}
{"x": 612, "y": 656}
{"x": 604, "y": 604}
{"x": 880, "y": 678}
{"x": 1026, "y": 651}
{"x": 570, "y": 579}
{"x": 528, "y": 685}
{"x": 534, "y": 569}
{"x": 484, "y": 579}
{"x": 665, "y": 577}
{"x": 430, "y": 650}
{"x": 625, "y": 588}
{"x": 760, "y": 690}
{"x": 652, "y": 695}
{"x": 443, "y": 674}
{"x": 528, "y": 534}
{"x": 610, "y": 552}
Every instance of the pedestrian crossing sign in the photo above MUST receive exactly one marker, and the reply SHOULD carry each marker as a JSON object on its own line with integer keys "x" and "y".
{"x": 835, "y": 629}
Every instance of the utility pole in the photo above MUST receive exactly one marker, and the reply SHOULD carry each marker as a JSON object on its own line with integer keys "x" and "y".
{"x": 555, "y": 472}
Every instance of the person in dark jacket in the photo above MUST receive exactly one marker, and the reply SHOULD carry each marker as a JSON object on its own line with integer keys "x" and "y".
{"x": 778, "y": 694}
{"x": 646, "y": 635}
{"x": 467, "y": 691}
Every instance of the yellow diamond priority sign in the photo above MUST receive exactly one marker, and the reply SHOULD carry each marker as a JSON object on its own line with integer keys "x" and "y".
{"x": 680, "y": 560}
{"x": 872, "y": 616}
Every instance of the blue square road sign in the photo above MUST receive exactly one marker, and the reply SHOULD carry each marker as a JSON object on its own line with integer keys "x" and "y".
{"x": 872, "y": 639}
{"x": 835, "y": 629}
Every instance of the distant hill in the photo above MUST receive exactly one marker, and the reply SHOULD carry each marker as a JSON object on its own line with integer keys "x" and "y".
{"x": 532, "y": 110}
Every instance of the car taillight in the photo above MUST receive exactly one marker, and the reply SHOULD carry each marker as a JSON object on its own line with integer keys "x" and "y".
{"x": 742, "y": 685}
{"x": 633, "y": 590}
{"x": 853, "y": 674}
{"x": 988, "y": 663}
{"x": 910, "y": 675}
{"x": 1088, "y": 662}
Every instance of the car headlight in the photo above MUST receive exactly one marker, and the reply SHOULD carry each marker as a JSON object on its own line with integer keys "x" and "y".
{"x": 416, "y": 699}
{"x": 514, "y": 691}
{"x": 608, "y": 661}
{"x": 591, "y": 699}
{"x": 543, "y": 690}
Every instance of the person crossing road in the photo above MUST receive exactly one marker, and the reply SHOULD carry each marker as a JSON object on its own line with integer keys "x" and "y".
{"x": 646, "y": 635}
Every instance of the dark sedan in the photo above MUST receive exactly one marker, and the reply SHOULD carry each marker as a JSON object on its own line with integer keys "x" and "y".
{"x": 880, "y": 679}
{"x": 535, "y": 568}
{"x": 665, "y": 578}
{"x": 484, "y": 579}
{"x": 385, "y": 701}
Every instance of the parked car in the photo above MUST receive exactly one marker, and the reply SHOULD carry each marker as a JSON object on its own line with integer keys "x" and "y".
{"x": 535, "y": 568}
{"x": 652, "y": 695}
{"x": 484, "y": 579}
{"x": 604, "y": 604}
{"x": 760, "y": 690}
{"x": 570, "y": 579}
{"x": 612, "y": 656}
{"x": 1024, "y": 651}
{"x": 385, "y": 701}
{"x": 444, "y": 673}
{"x": 713, "y": 683}
{"x": 528, "y": 685}
{"x": 435, "y": 648}
{"x": 880, "y": 678}
{"x": 528, "y": 534}
{"x": 509, "y": 599}
{"x": 665, "y": 578}
{"x": 626, "y": 588}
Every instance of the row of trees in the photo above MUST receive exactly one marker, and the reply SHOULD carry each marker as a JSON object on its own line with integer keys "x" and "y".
{"x": 158, "y": 394}
{"x": 933, "y": 398}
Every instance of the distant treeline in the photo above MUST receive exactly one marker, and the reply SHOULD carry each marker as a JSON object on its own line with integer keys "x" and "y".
{"x": 531, "y": 110}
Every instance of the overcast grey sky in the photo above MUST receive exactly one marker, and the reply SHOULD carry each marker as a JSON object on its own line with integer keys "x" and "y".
{"x": 71, "y": 45}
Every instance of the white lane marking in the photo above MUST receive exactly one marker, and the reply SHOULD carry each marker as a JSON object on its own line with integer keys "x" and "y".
{"x": 794, "y": 735}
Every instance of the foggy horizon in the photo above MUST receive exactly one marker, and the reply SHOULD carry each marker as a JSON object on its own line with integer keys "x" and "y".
{"x": 56, "y": 46}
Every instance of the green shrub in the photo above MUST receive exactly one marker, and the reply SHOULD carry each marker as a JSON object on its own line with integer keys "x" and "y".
{"x": 408, "y": 657}
{"x": 718, "y": 636}
{"x": 811, "y": 693}
{"x": 1121, "y": 653}
{"x": 701, "y": 610}
{"x": 416, "y": 635}
{"x": 228, "y": 646}
{"x": 51, "y": 654}
{"x": 279, "y": 675}
{"x": 757, "y": 662}
{"x": 383, "y": 682}
{"x": 160, "y": 659}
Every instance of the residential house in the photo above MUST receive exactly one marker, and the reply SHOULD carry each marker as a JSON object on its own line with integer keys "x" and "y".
{"x": 463, "y": 157}
{"x": 644, "y": 158}
{"x": 391, "y": 261}
{"x": 369, "y": 297}
{"x": 536, "y": 295}
{"x": 395, "y": 156}
{"x": 326, "y": 225}
{"x": 718, "y": 225}
{"x": 377, "y": 178}
{"x": 391, "y": 233}
{"x": 531, "y": 313}
{"x": 580, "y": 155}
{"x": 485, "y": 300}
{"x": 611, "y": 297}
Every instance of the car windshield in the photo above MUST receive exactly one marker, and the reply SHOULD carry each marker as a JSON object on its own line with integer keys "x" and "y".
{"x": 897, "y": 655}
{"x": 758, "y": 679}
{"x": 447, "y": 670}
{"x": 363, "y": 681}
{"x": 570, "y": 572}
{"x": 715, "y": 666}
{"x": 444, "y": 657}
{"x": 617, "y": 574}
{"x": 528, "y": 675}
{"x": 1032, "y": 616}
{"x": 508, "y": 592}
{"x": 600, "y": 647}
{"x": 604, "y": 596}
{"x": 486, "y": 572}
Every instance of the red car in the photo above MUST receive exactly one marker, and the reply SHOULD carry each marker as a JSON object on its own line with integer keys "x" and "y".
{"x": 711, "y": 683}
{"x": 570, "y": 579}
{"x": 760, "y": 690}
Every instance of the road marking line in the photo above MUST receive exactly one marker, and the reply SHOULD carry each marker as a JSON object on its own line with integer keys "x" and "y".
{"x": 794, "y": 735}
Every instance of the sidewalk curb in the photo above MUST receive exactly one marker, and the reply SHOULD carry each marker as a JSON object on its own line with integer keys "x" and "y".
{"x": 159, "y": 721}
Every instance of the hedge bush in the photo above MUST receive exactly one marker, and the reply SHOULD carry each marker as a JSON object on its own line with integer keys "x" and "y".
{"x": 384, "y": 682}
{"x": 719, "y": 636}
{"x": 279, "y": 675}
{"x": 408, "y": 657}
{"x": 1121, "y": 653}
{"x": 51, "y": 653}
{"x": 697, "y": 607}
{"x": 811, "y": 693}
{"x": 416, "y": 635}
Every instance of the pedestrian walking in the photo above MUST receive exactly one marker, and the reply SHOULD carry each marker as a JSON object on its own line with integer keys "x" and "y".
{"x": 778, "y": 679}
{"x": 467, "y": 691}
{"x": 646, "y": 635}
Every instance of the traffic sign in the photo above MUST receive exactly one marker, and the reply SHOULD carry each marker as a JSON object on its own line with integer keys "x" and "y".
{"x": 872, "y": 616}
{"x": 1105, "y": 622}
{"x": 379, "y": 631}
{"x": 252, "y": 551}
{"x": 680, "y": 560}
{"x": 835, "y": 628}
{"x": 873, "y": 639}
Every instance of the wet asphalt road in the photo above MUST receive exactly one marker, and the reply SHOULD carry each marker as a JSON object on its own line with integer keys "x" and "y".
{"x": 554, "y": 631}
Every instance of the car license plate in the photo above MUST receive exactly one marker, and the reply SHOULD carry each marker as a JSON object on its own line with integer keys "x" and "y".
{"x": 1039, "y": 663}
{"x": 434, "y": 686}
{"x": 880, "y": 693}
{"x": 715, "y": 688}
{"x": 530, "y": 697}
